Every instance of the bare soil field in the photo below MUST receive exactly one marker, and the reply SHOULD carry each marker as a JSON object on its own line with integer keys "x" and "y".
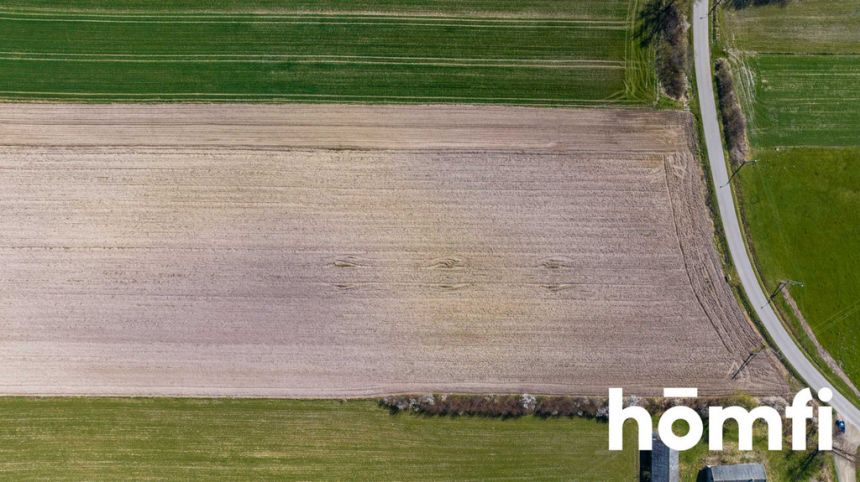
{"x": 338, "y": 251}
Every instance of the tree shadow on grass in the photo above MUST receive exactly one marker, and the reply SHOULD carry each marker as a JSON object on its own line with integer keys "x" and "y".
{"x": 652, "y": 21}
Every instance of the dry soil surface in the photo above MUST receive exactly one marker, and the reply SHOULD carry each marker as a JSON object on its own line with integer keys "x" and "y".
{"x": 332, "y": 251}
{"x": 845, "y": 454}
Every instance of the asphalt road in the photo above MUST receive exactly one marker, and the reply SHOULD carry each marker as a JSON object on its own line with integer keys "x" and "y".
{"x": 731, "y": 225}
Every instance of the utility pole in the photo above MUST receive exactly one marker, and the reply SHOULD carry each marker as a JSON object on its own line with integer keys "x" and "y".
{"x": 781, "y": 285}
{"x": 744, "y": 364}
{"x": 737, "y": 170}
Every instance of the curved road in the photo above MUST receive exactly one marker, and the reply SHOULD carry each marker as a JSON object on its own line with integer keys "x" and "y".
{"x": 731, "y": 226}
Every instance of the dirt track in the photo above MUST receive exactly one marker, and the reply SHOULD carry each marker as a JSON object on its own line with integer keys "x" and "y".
{"x": 343, "y": 251}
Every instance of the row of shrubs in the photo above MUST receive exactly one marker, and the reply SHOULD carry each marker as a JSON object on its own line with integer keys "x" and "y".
{"x": 504, "y": 406}
{"x": 508, "y": 406}
{"x": 662, "y": 24}
{"x": 734, "y": 122}
{"x": 671, "y": 53}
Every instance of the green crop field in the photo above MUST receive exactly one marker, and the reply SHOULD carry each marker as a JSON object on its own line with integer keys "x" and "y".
{"x": 799, "y": 65}
{"x": 801, "y": 206}
{"x": 797, "y": 27}
{"x": 806, "y": 100}
{"x": 591, "y": 9}
{"x": 567, "y": 52}
{"x": 121, "y": 439}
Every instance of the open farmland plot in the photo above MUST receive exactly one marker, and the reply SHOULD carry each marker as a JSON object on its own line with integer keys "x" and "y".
{"x": 796, "y": 27}
{"x": 800, "y": 65}
{"x": 345, "y": 251}
{"x": 801, "y": 208}
{"x": 566, "y": 52}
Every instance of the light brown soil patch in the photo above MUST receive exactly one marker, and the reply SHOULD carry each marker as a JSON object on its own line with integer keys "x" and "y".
{"x": 327, "y": 251}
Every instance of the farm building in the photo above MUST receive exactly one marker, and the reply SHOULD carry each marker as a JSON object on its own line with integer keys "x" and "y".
{"x": 737, "y": 473}
{"x": 664, "y": 462}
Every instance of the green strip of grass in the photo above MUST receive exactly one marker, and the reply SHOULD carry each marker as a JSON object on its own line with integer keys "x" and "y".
{"x": 288, "y": 81}
{"x": 590, "y": 9}
{"x": 640, "y": 81}
{"x": 801, "y": 207}
{"x": 120, "y": 439}
{"x": 223, "y": 37}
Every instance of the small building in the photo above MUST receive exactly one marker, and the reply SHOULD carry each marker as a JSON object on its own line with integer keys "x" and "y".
{"x": 737, "y": 473}
{"x": 664, "y": 462}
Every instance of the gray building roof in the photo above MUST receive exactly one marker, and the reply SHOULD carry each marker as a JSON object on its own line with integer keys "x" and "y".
{"x": 737, "y": 473}
{"x": 664, "y": 462}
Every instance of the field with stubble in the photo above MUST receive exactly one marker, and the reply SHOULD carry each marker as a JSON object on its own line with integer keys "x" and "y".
{"x": 337, "y": 251}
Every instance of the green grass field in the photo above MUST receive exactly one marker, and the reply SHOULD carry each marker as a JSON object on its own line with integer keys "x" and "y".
{"x": 800, "y": 64}
{"x": 801, "y": 206}
{"x": 806, "y": 100}
{"x": 568, "y": 52}
{"x": 121, "y": 439}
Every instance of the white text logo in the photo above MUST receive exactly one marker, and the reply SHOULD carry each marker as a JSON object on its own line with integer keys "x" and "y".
{"x": 799, "y": 413}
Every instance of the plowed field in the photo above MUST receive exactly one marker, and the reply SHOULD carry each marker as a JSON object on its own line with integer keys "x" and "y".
{"x": 330, "y": 251}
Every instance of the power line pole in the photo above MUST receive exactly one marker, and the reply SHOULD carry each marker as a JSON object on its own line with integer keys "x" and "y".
{"x": 744, "y": 364}
{"x": 737, "y": 170}
{"x": 782, "y": 284}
